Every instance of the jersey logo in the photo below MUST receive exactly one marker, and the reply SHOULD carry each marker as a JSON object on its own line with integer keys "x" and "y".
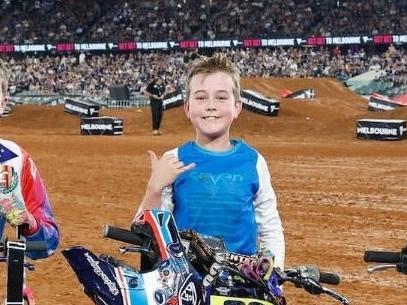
{"x": 8, "y": 179}
{"x": 218, "y": 179}
{"x": 6, "y": 154}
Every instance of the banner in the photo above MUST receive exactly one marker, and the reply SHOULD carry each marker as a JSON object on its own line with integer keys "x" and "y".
{"x": 81, "y": 108}
{"x": 374, "y": 129}
{"x": 132, "y": 46}
{"x": 307, "y": 93}
{"x": 173, "y": 99}
{"x": 101, "y": 126}
{"x": 258, "y": 103}
{"x": 381, "y": 102}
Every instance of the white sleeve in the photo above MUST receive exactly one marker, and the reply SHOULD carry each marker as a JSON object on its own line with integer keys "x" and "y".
{"x": 271, "y": 233}
{"x": 167, "y": 201}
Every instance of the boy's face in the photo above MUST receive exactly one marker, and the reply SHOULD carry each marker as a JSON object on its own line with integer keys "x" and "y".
{"x": 212, "y": 106}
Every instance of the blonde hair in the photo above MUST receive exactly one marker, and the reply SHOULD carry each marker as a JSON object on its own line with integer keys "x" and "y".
{"x": 217, "y": 63}
{"x": 3, "y": 77}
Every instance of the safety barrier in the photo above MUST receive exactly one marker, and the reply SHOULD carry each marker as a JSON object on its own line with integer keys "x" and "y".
{"x": 119, "y": 104}
{"x": 381, "y": 129}
{"x": 137, "y": 100}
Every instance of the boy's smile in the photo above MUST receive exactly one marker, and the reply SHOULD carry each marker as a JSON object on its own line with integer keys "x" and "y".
{"x": 210, "y": 117}
{"x": 212, "y": 106}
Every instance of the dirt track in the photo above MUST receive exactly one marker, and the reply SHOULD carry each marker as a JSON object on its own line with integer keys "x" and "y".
{"x": 338, "y": 195}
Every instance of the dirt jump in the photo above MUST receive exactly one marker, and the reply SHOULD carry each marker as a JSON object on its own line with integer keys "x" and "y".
{"x": 338, "y": 195}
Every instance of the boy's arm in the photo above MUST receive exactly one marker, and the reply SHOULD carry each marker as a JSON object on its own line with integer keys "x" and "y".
{"x": 166, "y": 203}
{"x": 152, "y": 197}
{"x": 271, "y": 233}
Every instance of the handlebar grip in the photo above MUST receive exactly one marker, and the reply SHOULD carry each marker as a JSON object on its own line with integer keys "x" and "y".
{"x": 329, "y": 278}
{"x": 382, "y": 257}
{"x": 122, "y": 235}
{"x": 37, "y": 246}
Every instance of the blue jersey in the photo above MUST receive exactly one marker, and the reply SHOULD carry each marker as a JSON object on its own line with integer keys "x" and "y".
{"x": 227, "y": 194}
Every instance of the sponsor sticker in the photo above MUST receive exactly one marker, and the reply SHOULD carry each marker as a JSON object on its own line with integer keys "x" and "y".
{"x": 8, "y": 179}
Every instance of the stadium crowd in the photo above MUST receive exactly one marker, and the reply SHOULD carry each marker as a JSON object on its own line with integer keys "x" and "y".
{"x": 94, "y": 74}
{"x": 49, "y": 21}
{"x": 44, "y": 21}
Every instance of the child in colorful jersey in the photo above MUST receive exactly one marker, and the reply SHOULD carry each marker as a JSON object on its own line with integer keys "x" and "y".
{"x": 24, "y": 201}
{"x": 216, "y": 185}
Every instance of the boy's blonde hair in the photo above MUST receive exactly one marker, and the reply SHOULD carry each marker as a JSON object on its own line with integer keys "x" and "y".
{"x": 3, "y": 77}
{"x": 217, "y": 63}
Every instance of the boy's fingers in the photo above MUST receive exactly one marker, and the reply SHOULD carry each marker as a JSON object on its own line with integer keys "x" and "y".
{"x": 169, "y": 157}
{"x": 153, "y": 157}
{"x": 179, "y": 164}
{"x": 188, "y": 167}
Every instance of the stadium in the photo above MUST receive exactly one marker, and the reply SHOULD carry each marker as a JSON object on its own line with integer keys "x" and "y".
{"x": 338, "y": 194}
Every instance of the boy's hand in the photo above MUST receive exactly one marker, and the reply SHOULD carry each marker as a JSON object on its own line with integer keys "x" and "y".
{"x": 165, "y": 170}
{"x": 258, "y": 267}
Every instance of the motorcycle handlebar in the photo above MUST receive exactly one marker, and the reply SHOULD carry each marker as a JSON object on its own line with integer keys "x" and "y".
{"x": 329, "y": 278}
{"x": 37, "y": 246}
{"x": 312, "y": 271}
{"x": 384, "y": 257}
{"x": 122, "y": 235}
{"x": 310, "y": 278}
{"x": 32, "y": 246}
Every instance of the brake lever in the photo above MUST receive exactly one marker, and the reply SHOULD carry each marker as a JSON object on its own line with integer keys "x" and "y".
{"x": 335, "y": 295}
{"x": 134, "y": 249}
{"x": 311, "y": 286}
{"x": 381, "y": 267}
{"x": 315, "y": 288}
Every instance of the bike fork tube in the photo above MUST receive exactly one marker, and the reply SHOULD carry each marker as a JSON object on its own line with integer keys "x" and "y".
{"x": 15, "y": 272}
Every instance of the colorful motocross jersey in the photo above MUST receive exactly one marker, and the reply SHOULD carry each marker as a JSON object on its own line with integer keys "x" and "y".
{"x": 227, "y": 194}
{"x": 25, "y": 184}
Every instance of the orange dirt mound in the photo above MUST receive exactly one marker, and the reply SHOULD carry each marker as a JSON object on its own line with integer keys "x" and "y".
{"x": 338, "y": 196}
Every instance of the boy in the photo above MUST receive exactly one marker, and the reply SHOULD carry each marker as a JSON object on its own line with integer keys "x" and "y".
{"x": 216, "y": 185}
{"x": 23, "y": 198}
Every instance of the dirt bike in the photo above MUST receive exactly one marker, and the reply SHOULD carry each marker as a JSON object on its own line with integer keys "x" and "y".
{"x": 13, "y": 254}
{"x": 387, "y": 260}
{"x": 185, "y": 268}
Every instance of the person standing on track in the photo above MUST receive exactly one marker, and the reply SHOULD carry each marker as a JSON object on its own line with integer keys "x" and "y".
{"x": 156, "y": 91}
